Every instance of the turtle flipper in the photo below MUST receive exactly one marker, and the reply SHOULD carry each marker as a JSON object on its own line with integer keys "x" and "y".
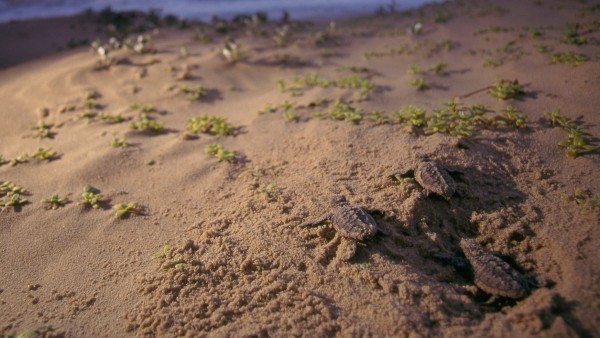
{"x": 316, "y": 221}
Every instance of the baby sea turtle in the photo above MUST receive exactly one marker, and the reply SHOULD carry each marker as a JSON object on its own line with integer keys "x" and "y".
{"x": 352, "y": 223}
{"x": 492, "y": 274}
{"x": 433, "y": 177}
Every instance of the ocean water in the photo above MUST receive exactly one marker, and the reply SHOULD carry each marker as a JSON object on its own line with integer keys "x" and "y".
{"x": 202, "y": 9}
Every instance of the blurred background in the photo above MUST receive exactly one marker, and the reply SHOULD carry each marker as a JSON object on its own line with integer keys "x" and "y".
{"x": 203, "y": 9}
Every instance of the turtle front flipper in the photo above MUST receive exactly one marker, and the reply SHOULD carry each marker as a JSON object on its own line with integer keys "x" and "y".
{"x": 316, "y": 221}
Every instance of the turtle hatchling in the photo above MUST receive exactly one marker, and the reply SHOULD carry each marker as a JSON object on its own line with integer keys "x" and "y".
{"x": 433, "y": 177}
{"x": 492, "y": 274}
{"x": 349, "y": 221}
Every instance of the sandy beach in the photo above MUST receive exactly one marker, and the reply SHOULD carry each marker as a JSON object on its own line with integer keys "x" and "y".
{"x": 155, "y": 185}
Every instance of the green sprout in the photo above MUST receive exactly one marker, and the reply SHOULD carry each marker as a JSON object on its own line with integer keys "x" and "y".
{"x": 585, "y": 198}
{"x": 209, "y": 124}
{"x": 492, "y": 63}
{"x": 43, "y": 129}
{"x": 568, "y": 58}
{"x": 193, "y": 93}
{"x": 91, "y": 197}
{"x": 291, "y": 115}
{"x": 514, "y": 117}
{"x": 572, "y": 36}
{"x": 219, "y": 152}
{"x": 144, "y": 108}
{"x": 506, "y": 89}
{"x": 268, "y": 108}
{"x": 438, "y": 68}
{"x": 414, "y": 69}
{"x": 378, "y": 117}
{"x": 342, "y": 112}
{"x": 118, "y": 118}
{"x": 163, "y": 253}
{"x": 14, "y": 201}
{"x": 55, "y": 202}
{"x": 124, "y": 210}
{"x": 542, "y": 49}
{"x": 119, "y": 142}
{"x": 145, "y": 123}
{"x": 3, "y": 160}
{"x": 419, "y": 83}
{"x": 577, "y": 142}
{"x": 44, "y": 154}
{"x": 173, "y": 259}
{"x": 411, "y": 114}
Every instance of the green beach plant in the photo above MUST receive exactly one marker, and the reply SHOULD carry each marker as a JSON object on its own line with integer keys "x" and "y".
{"x": 43, "y": 130}
{"x": 578, "y": 142}
{"x": 193, "y": 93}
{"x": 119, "y": 142}
{"x": 54, "y": 202}
{"x": 572, "y": 35}
{"x": 118, "y": 118}
{"x": 145, "y": 123}
{"x": 570, "y": 58}
{"x": 44, "y": 154}
{"x": 419, "y": 83}
{"x": 91, "y": 197}
{"x": 124, "y": 210}
{"x": 209, "y": 124}
{"x": 217, "y": 150}
{"x": 514, "y": 117}
{"x": 506, "y": 89}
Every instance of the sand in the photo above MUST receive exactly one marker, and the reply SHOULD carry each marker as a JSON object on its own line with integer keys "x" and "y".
{"x": 217, "y": 248}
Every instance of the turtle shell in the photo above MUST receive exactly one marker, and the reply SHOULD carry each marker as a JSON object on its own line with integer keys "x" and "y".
{"x": 492, "y": 274}
{"x": 435, "y": 179}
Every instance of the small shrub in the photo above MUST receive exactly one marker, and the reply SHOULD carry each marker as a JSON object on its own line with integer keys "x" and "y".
{"x": 219, "y": 152}
{"x": 506, "y": 89}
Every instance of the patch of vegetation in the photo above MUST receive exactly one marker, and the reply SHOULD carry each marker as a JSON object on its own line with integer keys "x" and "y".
{"x": 506, "y": 89}
{"x": 578, "y": 142}
{"x": 91, "y": 197}
{"x": 145, "y": 123}
{"x": 217, "y": 150}
{"x": 492, "y": 63}
{"x": 512, "y": 117}
{"x": 118, "y": 118}
{"x": 124, "y": 210}
{"x": 438, "y": 68}
{"x": 44, "y": 154}
{"x": 571, "y": 58}
{"x": 419, "y": 83}
{"x": 43, "y": 130}
{"x": 11, "y": 195}
{"x": 142, "y": 107}
{"x": 572, "y": 35}
{"x": 193, "y": 93}
{"x": 54, "y": 202}
{"x": 411, "y": 114}
{"x": 542, "y": 49}
{"x": 170, "y": 258}
{"x": 209, "y": 124}
{"x": 584, "y": 198}
{"x": 342, "y": 112}
{"x": 378, "y": 117}
{"x": 353, "y": 81}
{"x": 119, "y": 142}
